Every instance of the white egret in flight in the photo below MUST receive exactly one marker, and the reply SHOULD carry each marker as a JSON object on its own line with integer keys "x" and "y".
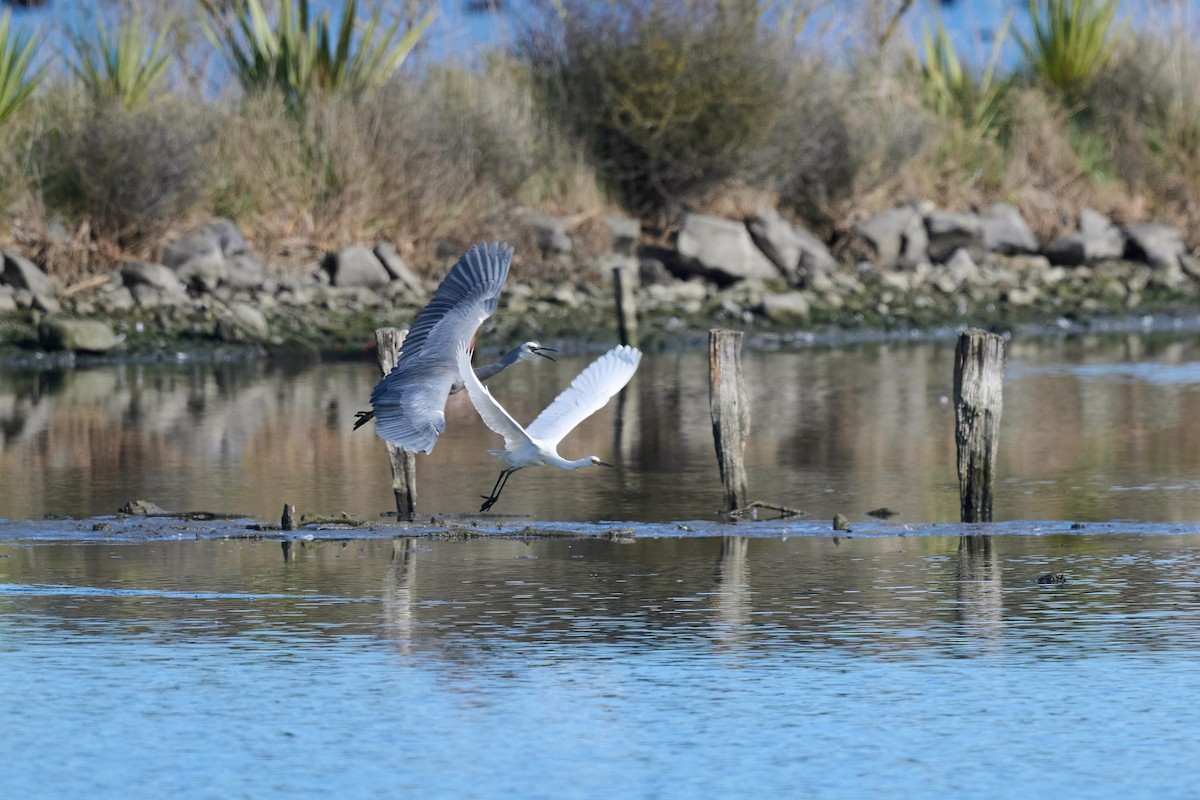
{"x": 409, "y": 403}
{"x": 538, "y": 444}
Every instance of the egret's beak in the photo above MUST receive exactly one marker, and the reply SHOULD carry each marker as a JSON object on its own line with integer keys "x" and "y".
{"x": 600, "y": 463}
{"x": 541, "y": 351}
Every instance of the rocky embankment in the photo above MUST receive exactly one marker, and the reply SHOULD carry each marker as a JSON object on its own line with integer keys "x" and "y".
{"x": 908, "y": 267}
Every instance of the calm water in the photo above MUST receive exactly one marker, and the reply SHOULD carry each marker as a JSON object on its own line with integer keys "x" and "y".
{"x": 1094, "y": 428}
{"x": 659, "y": 668}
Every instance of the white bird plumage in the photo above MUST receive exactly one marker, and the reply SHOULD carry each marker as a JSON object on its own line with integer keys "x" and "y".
{"x": 409, "y": 403}
{"x": 538, "y": 444}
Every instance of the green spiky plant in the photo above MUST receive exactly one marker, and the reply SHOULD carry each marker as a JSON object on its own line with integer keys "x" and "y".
{"x": 297, "y": 55}
{"x": 1072, "y": 42}
{"x": 128, "y": 68}
{"x": 952, "y": 90}
{"x": 17, "y": 80}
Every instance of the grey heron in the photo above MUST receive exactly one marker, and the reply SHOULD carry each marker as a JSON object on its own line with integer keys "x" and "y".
{"x": 538, "y": 444}
{"x": 409, "y": 403}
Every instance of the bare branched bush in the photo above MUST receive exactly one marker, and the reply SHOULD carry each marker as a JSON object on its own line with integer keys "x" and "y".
{"x": 131, "y": 174}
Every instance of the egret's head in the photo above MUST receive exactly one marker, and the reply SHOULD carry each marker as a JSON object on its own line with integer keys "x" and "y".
{"x": 596, "y": 462}
{"x": 531, "y": 349}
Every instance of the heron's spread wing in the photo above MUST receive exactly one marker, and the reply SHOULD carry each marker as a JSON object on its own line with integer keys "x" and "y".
{"x": 410, "y": 401}
{"x": 494, "y": 415}
{"x": 586, "y": 395}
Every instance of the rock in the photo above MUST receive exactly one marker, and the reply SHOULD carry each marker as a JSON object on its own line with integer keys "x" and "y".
{"x": 550, "y": 233}
{"x": 626, "y": 232}
{"x": 355, "y": 266}
{"x": 1096, "y": 240}
{"x": 787, "y": 308}
{"x": 398, "y": 270}
{"x": 21, "y": 273}
{"x": 720, "y": 249}
{"x": 8, "y": 300}
{"x": 951, "y": 231}
{"x": 149, "y": 274}
{"x": 243, "y": 323}
{"x": 1005, "y": 231}
{"x": 653, "y": 271}
{"x": 116, "y": 300}
{"x": 142, "y": 508}
{"x": 81, "y": 335}
{"x": 794, "y": 251}
{"x": 898, "y": 237}
{"x": 1156, "y": 244}
{"x": 185, "y": 248}
{"x": 227, "y": 235}
{"x": 204, "y": 272}
{"x": 243, "y": 271}
{"x": 46, "y": 303}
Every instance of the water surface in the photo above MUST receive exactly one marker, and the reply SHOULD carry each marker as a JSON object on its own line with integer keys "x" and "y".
{"x": 667, "y": 667}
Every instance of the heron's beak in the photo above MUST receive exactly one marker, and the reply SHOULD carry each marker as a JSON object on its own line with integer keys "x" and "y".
{"x": 603, "y": 464}
{"x": 541, "y": 351}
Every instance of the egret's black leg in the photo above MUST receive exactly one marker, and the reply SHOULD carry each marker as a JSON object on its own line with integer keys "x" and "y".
{"x": 490, "y": 500}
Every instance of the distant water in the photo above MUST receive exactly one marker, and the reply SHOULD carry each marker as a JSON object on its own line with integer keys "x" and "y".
{"x": 663, "y": 668}
{"x": 1094, "y": 428}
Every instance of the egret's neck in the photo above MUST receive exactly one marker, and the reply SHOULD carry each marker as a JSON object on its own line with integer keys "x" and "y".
{"x": 563, "y": 463}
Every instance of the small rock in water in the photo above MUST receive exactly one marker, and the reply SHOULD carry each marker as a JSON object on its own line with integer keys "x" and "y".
{"x": 841, "y": 522}
{"x": 1052, "y": 577}
{"x": 142, "y": 508}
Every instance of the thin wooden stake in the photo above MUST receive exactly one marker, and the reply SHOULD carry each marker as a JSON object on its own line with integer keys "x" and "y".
{"x": 730, "y": 409}
{"x": 404, "y": 463}
{"x": 978, "y": 401}
{"x": 625, "y": 291}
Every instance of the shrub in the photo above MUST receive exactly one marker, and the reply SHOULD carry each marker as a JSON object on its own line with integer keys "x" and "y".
{"x": 17, "y": 80}
{"x": 1071, "y": 43}
{"x": 952, "y": 90}
{"x": 127, "y": 69}
{"x": 294, "y": 56}
{"x": 671, "y": 100}
{"x": 131, "y": 174}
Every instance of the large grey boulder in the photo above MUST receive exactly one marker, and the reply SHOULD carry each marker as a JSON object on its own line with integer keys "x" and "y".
{"x": 1156, "y": 244}
{"x": 795, "y": 251}
{"x": 550, "y": 233}
{"x": 243, "y": 271}
{"x": 228, "y": 236}
{"x": 149, "y": 274}
{"x": 398, "y": 269}
{"x": 626, "y": 232}
{"x": 951, "y": 231}
{"x": 21, "y": 273}
{"x": 78, "y": 335}
{"x": 1097, "y": 239}
{"x": 8, "y": 299}
{"x": 722, "y": 250}
{"x": 243, "y": 323}
{"x": 1006, "y": 231}
{"x": 898, "y": 237}
{"x": 197, "y": 260}
{"x": 787, "y": 308}
{"x": 355, "y": 266}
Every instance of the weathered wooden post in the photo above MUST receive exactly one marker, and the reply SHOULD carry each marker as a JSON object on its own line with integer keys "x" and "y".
{"x": 404, "y": 463}
{"x": 625, "y": 291}
{"x": 730, "y": 409}
{"x": 978, "y": 401}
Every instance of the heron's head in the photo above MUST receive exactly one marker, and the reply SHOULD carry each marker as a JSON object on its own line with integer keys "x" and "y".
{"x": 596, "y": 462}
{"x": 531, "y": 349}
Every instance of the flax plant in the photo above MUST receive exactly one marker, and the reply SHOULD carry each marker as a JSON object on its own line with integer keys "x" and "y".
{"x": 295, "y": 54}
{"x": 950, "y": 88}
{"x": 17, "y": 80}
{"x": 128, "y": 68}
{"x": 1071, "y": 43}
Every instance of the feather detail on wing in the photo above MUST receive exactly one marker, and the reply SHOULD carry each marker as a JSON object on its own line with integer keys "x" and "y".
{"x": 493, "y": 414}
{"x": 410, "y": 401}
{"x": 586, "y": 395}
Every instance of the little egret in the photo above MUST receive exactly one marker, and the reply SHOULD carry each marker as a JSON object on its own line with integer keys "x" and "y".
{"x": 538, "y": 444}
{"x": 409, "y": 402}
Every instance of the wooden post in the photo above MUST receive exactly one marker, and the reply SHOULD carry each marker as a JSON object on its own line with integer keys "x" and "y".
{"x": 978, "y": 401}
{"x": 730, "y": 409}
{"x": 404, "y": 463}
{"x": 625, "y": 291}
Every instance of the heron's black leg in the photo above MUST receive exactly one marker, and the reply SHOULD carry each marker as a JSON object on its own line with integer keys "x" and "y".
{"x": 490, "y": 500}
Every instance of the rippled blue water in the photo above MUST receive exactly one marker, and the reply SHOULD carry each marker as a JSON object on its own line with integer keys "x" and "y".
{"x": 661, "y": 668}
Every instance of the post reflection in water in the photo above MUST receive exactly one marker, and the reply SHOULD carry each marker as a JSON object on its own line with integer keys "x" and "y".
{"x": 979, "y": 588}
{"x": 1093, "y": 430}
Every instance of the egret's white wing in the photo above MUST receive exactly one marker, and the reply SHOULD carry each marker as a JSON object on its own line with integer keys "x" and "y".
{"x": 494, "y": 415}
{"x": 410, "y": 401}
{"x": 586, "y": 395}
